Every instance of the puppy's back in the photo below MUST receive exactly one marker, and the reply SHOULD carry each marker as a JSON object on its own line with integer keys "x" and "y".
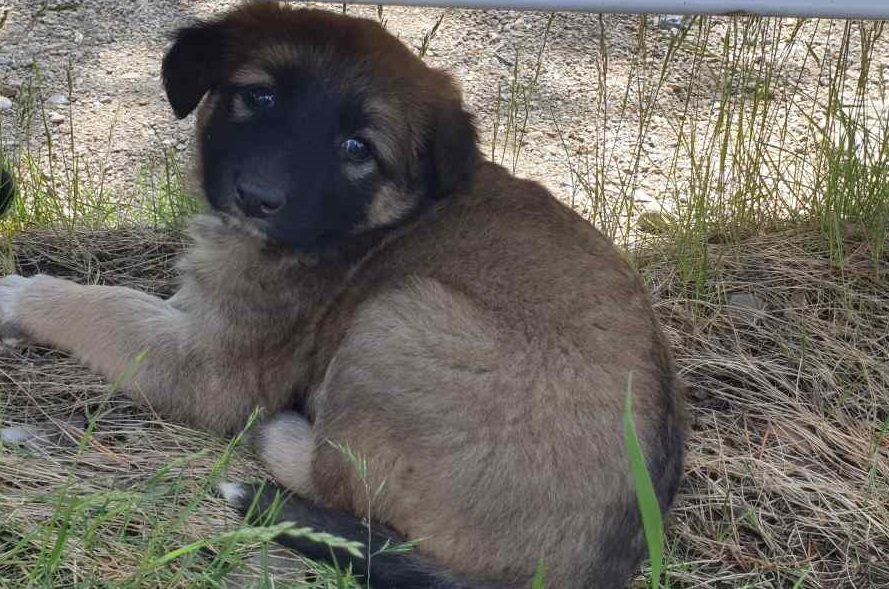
{"x": 483, "y": 359}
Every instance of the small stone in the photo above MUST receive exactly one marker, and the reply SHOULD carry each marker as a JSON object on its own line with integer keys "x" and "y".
{"x": 106, "y": 100}
{"x": 745, "y": 300}
{"x": 56, "y": 118}
{"x": 744, "y": 307}
{"x": 640, "y": 196}
{"x": 10, "y": 88}
{"x": 5, "y": 103}
{"x": 655, "y": 222}
{"x": 670, "y": 22}
{"x": 58, "y": 100}
{"x": 16, "y": 436}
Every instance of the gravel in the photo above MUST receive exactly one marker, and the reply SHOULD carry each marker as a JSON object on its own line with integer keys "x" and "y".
{"x": 99, "y": 66}
{"x": 99, "y": 62}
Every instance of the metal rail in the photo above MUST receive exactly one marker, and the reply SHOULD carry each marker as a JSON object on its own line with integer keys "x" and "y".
{"x": 851, "y": 9}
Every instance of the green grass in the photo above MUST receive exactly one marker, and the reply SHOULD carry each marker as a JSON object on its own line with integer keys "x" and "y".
{"x": 649, "y": 508}
{"x": 61, "y": 189}
{"x": 138, "y": 536}
{"x": 742, "y": 164}
{"x": 767, "y": 128}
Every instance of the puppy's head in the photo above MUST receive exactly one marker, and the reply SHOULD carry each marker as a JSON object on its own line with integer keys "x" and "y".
{"x": 317, "y": 127}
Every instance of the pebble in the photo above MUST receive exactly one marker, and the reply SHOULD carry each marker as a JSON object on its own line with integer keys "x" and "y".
{"x": 745, "y": 301}
{"x": 670, "y": 22}
{"x": 655, "y": 222}
{"x": 10, "y": 88}
{"x": 16, "y": 436}
{"x": 5, "y": 103}
{"x": 56, "y": 118}
{"x": 58, "y": 100}
{"x": 640, "y": 196}
{"x": 744, "y": 306}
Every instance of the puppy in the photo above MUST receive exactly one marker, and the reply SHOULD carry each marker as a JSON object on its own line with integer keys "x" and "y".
{"x": 366, "y": 276}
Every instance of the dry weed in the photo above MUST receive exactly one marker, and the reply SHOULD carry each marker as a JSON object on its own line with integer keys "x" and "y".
{"x": 784, "y": 354}
{"x": 121, "y": 495}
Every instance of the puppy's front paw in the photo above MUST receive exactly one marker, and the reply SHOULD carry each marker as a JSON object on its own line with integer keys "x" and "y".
{"x": 51, "y": 434}
{"x": 13, "y": 288}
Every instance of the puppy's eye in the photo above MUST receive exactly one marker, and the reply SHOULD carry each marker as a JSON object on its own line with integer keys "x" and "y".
{"x": 355, "y": 150}
{"x": 259, "y": 98}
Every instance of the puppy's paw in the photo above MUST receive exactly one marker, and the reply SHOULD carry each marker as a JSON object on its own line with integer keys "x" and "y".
{"x": 13, "y": 288}
{"x": 255, "y": 501}
{"x": 275, "y": 563}
{"x": 51, "y": 434}
{"x": 238, "y": 495}
{"x": 286, "y": 445}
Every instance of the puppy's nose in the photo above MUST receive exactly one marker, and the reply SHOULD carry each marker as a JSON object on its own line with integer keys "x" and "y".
{"x": 257, "y": 200}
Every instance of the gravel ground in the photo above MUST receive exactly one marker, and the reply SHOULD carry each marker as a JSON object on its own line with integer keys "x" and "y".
{"x": 98, "y": 66}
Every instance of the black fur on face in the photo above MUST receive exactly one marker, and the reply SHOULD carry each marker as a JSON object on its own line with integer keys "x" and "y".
{"x": 291, "y": 158}
{"x": 315, "y": 139}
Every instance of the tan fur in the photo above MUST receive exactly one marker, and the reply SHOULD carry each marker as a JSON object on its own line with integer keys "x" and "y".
{"x": 388, "y": 206}
{"x": 253, "y": 75}
{"x": 477, "y": 356}
{"x": 286, "y": 445}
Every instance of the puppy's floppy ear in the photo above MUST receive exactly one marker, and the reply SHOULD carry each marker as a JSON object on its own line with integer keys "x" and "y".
{"x": 452, "y": 150}
{"x": 194, "y": 65}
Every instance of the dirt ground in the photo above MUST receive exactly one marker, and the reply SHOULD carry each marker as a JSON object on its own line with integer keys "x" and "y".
{"x": 97, "y": 66}
{"x": 104, "y": 57}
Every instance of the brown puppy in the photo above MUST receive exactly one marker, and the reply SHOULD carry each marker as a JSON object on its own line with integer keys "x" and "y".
{"x": 462, "y": 330}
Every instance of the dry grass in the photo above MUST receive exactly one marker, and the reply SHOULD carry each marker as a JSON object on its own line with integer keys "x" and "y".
{"x": 785, "y": 356}
{"x": 788, "y": 469}
{"x": 114, "y": 500}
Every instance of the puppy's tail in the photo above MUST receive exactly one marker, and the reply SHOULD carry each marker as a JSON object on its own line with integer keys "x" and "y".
{"x": 389, "y": 569}
{"x": 7, "y": 190}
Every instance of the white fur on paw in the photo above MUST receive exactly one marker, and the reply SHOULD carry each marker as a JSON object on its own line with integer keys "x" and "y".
{"x": 11, "y": 289}
{"x": 286, "y": 445}
{"x": 16, "y": 435}
{"x": 233, "y": 493}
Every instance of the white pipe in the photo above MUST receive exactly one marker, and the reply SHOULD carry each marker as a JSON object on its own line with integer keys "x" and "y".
{"x": 869, "y": 9}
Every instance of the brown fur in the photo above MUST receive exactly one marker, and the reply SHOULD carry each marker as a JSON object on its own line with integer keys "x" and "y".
{"x": 476, "y": 354}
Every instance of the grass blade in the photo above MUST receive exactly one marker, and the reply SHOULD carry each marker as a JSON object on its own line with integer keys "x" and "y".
{"x": 648, "y": 503}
